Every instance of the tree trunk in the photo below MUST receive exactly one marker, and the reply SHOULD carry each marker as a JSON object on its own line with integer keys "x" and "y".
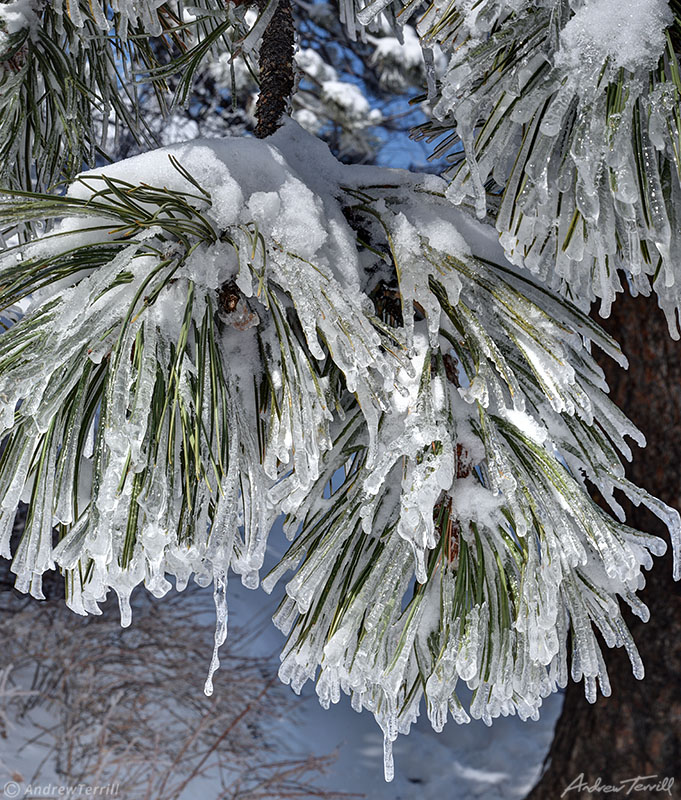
{"x": 636, "y": 731}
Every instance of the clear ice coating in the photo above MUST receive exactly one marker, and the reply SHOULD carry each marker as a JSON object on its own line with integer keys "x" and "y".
{"x": 425, "y": 420}
{"x": 581, "y": 131}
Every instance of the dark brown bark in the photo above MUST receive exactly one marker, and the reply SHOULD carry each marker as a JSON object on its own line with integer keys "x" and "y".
{"x": 276, "y": 69}
{"x": 636, "y": 731}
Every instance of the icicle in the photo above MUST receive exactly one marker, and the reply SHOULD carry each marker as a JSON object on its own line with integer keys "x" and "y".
{"x": 220, "y": 599}
{"x": 369, "y": 13}
{"x": 388, "y": 761}
{"x": 431, "y": 78}
{"x": 124, "y": 609}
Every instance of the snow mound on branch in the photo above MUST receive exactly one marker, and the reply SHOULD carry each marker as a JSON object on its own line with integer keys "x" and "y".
{"x": 251, "y": 181}
{"x": 630, "y": 33}
{"x": 16, "y": 16}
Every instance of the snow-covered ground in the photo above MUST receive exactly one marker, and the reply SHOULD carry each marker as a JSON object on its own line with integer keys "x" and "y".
{"x": 497, "y": 763}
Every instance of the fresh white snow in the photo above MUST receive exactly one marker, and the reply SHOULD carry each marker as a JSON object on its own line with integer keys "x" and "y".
{"x": 631, "y": 33}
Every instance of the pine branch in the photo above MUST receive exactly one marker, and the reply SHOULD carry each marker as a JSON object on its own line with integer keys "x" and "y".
{"x": 201, "y": 354}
